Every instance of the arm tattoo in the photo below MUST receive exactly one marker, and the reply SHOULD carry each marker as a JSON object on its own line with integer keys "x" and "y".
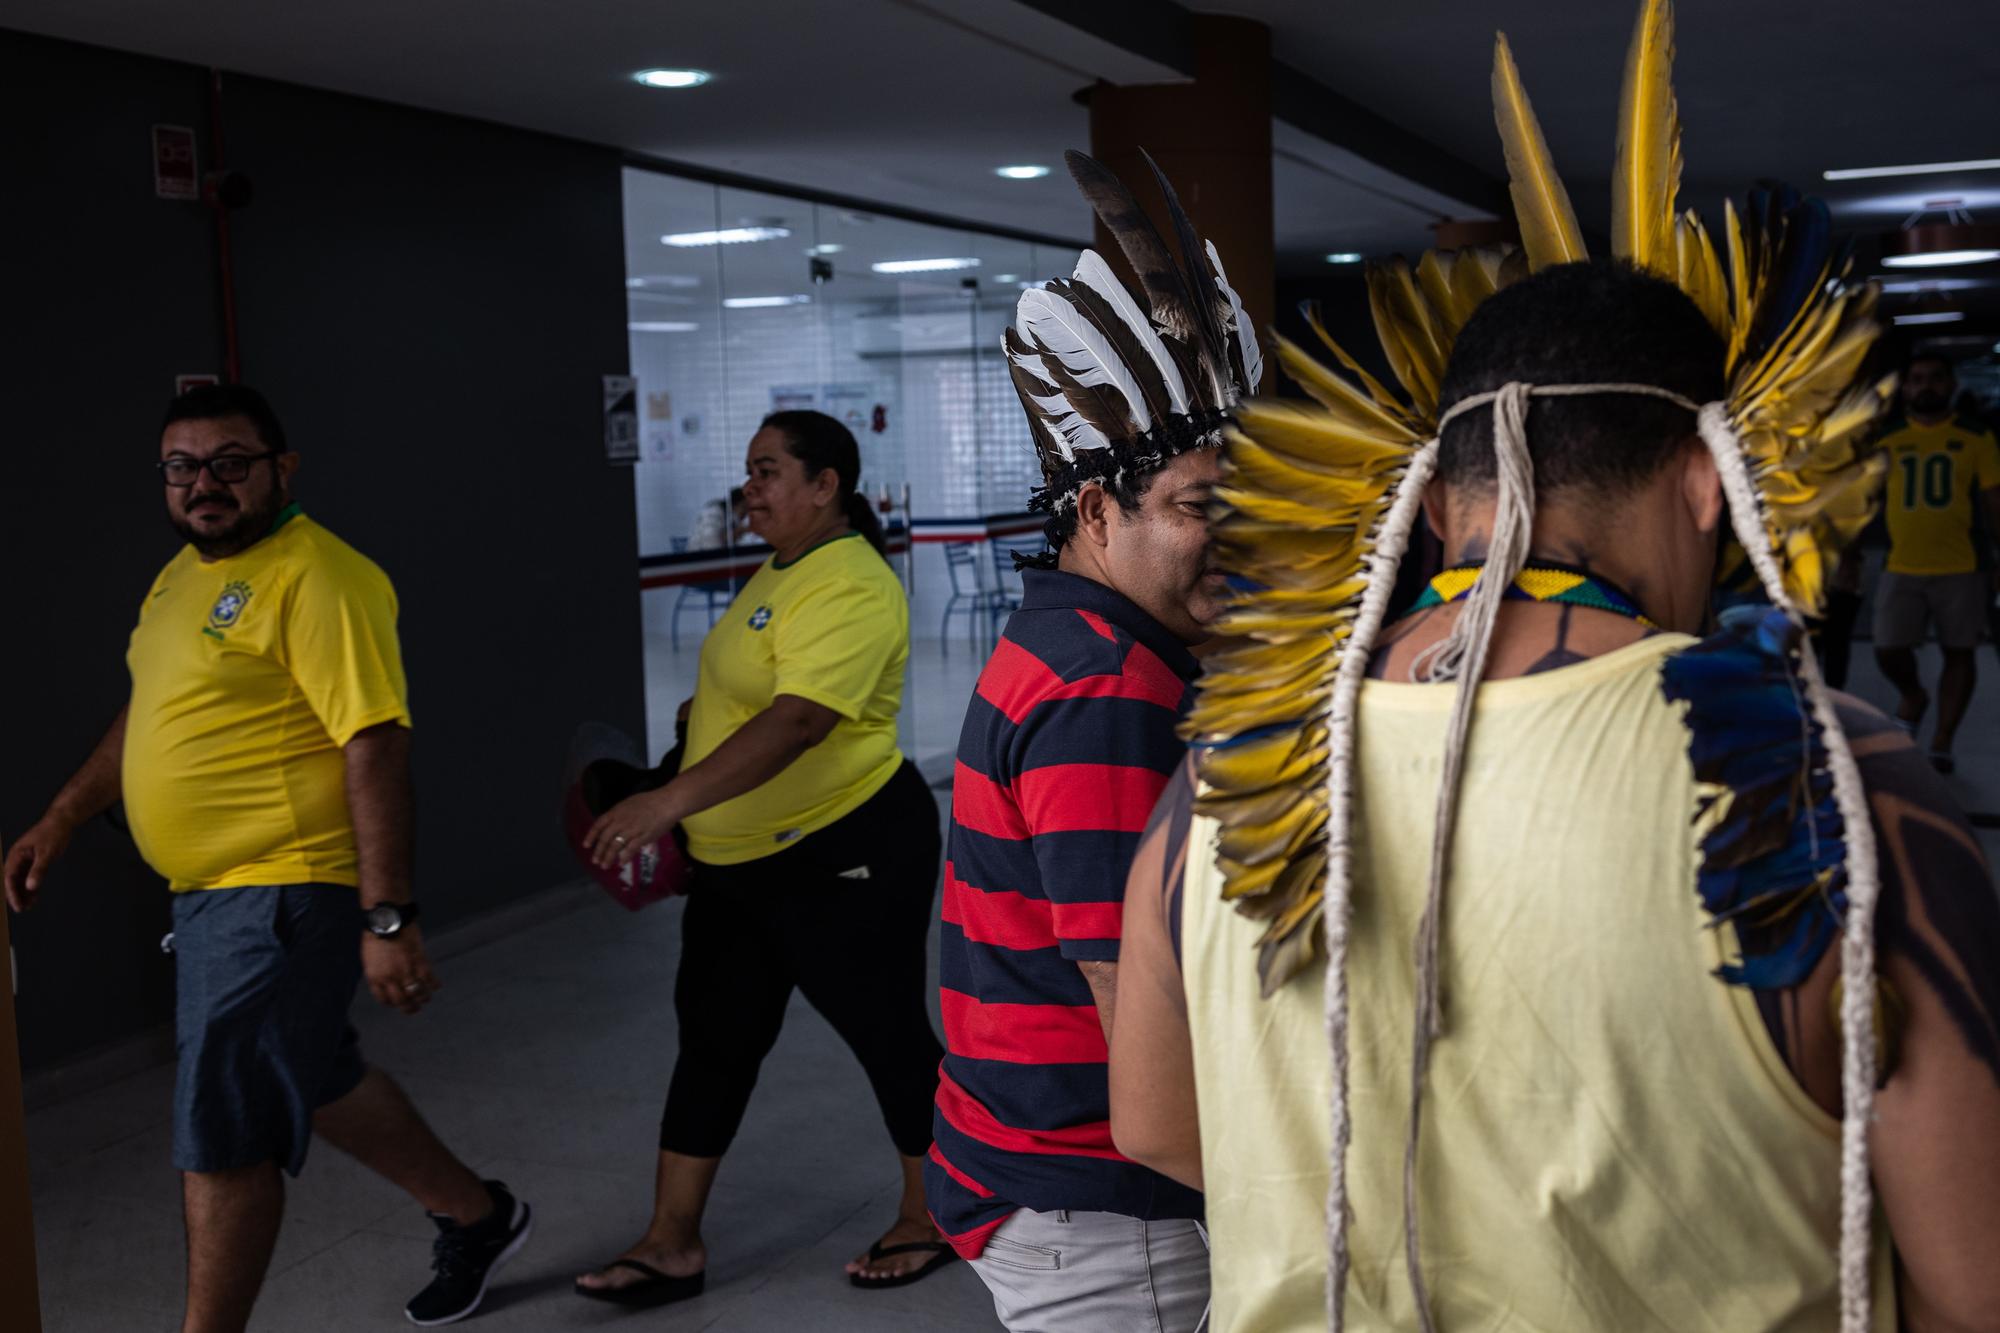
{"x": 1938, "y": 911}
{"x": 1172, "y": 818}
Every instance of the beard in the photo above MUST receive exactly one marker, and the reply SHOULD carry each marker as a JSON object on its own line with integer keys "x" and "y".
{"x": 246, "y": 528}
{"x": 1929, "y": 404}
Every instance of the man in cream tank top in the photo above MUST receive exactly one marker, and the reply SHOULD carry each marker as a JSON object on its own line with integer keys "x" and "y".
{"x": 1589, "y": 1075}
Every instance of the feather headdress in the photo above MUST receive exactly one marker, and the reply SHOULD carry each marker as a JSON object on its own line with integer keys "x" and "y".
{"x": 1112, "y": 389}
{"x": 1319, "y": 502}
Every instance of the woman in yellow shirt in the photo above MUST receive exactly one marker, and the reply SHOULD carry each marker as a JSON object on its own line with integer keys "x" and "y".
{"x": 816, "y": 849}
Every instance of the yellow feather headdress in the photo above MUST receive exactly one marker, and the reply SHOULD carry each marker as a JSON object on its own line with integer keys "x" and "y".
{"x": 1308, "y": 486}
{"x": 1319, "y": 501}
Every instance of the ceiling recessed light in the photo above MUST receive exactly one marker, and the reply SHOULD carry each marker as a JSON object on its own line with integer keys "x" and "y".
{"x": 1907, "y": 286}
{"x": 661, "y": 326}
{"x": 922, "y": 265}
{"x": 1344, "y": 257}
{"x": 1024, "y": 172}
{"x": 1932, "y": 317}
{"x": 1915, "y": 169}
{"x": 760, "y": 302}
{"x": 1940, "y": 258}
{"x": 727, "y": 236}
{"x": 672, "y": 78}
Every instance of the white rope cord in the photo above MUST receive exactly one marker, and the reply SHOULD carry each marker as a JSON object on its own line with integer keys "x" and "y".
{"x": 1478, "y": 400}
{"x": 1461, "y": 655}
{"x": 1384, "y": 557}
{"x": 1857, "y": 947}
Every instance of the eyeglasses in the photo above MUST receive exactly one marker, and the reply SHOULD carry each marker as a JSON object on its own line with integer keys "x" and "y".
{"x": 228, "y": 469}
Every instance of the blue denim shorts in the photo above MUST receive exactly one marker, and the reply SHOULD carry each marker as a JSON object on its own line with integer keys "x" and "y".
{"x": 263, "y": 978}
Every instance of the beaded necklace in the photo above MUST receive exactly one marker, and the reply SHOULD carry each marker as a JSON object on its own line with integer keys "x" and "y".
{"x": 1538, "y": 582}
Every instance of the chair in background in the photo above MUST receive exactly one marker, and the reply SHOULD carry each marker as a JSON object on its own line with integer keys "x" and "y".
{"x": 1006, "y": 578}
{"x": 970, "y": 597}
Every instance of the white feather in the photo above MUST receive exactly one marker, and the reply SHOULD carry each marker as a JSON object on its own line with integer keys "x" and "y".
{"x": 1072, "y": 432}
{"x": 1070, "y": 337}
{"x": 1094, "y": 273}
{"x": 1246, "y": 336}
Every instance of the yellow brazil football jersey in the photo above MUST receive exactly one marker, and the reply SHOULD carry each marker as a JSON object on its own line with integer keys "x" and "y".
{"x": 1935, "y": 476}
{"x": 248, "y": 676}
{"x": 832, "y": 626}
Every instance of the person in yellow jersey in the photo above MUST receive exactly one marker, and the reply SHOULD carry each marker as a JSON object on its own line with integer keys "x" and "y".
{"x": 816, "y": 848}
{"x": 1944, "y": 469}
{"x": 264, "y": 762}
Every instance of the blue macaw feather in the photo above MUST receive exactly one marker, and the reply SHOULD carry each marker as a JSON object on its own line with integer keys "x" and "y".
{"x": 1789, "y": 962}
{"x": 1791, "y": 239}
{"x": 1774, "y": 860}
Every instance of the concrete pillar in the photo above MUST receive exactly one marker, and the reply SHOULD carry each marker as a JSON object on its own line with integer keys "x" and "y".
{"x": 20, "y": 1306}
{"x": 1212, "y": 136}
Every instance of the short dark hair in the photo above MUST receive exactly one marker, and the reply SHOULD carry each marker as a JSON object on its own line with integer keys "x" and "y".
{"x": 1125, "y": 486}
{"x": 210, "y": 402}
{"x": 1600, "y": 322}
{"x": 1934, "y": 357}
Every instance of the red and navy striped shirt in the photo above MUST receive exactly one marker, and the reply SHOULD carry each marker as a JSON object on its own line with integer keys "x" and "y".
{"x": 1068, "y": 742}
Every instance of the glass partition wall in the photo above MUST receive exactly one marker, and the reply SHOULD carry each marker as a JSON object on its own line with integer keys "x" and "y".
{"x": 740, "y": 303}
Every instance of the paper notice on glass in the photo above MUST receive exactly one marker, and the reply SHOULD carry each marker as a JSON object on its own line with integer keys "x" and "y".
{"x": 621, "y": 419}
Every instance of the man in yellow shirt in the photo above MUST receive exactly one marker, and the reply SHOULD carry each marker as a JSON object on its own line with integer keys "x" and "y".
{"x": 1942, "y": 469}
{"x": 264, "y": 762}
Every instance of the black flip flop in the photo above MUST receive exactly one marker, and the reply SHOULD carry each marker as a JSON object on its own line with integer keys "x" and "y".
{"x": 941, "y": 1254}
{"x": 657, "y": 1289}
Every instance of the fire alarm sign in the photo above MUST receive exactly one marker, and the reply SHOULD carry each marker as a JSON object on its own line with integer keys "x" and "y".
{"x": 174, "y": 174}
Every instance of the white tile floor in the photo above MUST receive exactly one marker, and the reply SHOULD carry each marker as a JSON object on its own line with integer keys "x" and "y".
{"x": 543, "y": 1062}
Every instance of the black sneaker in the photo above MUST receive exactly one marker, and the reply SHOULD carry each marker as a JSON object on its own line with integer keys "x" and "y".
{"x": 464, "y": 1259}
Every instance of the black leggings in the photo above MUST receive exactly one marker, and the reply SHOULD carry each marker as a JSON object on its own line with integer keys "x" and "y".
{"x": 857, "y": 947}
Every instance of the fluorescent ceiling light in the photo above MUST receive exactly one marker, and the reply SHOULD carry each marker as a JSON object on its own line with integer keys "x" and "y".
{"x": 726, "y": 236}
{"x": 829, "y": 248}
{"x": 661, "y": 326}
{"x": 1006, "y": 277}
{"x": 1022, "y": 173}
{"x": 672, "y": 78}
{"x": 1916, "y": 169}
{"x": 1343, "y": 257}
{"x": 1940, "y": 258}
{"x": 922, "y": 265}
{"x": 664, "y": 280}
{"x": 1908, "y": 286}
{"x": 1932, "y": 317}
{"x": 760, "y": 302}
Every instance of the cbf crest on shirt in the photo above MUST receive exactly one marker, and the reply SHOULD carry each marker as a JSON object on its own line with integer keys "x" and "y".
{"x": 229, "y": 606}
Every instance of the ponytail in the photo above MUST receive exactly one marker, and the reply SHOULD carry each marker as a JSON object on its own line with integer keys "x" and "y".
{"x": 821, "y": 443}
{"x": 861, "y": 517}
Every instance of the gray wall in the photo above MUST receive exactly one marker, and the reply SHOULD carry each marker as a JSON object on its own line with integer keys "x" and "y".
{"x": 429, "y": 303}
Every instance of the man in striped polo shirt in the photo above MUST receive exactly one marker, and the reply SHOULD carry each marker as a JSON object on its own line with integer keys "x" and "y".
{"x": 1071, "y": 735}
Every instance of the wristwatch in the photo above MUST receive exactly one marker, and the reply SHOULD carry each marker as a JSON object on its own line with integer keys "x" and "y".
{"x": 386, "y": 920}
